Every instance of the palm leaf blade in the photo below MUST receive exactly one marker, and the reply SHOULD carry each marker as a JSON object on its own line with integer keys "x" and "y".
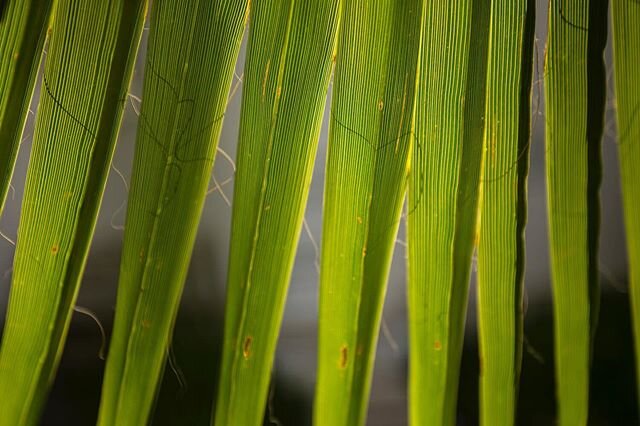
{"x": 503, "y": 207}
{"x": 443, "y": 199}
{"x": 575, "y": 99}
{"x": 625, "y": 17}
{"x": 369, "y": 145}
{"x": 190, "y": 61}
{"x": 85, "y": 82}
{"x": 22, "y": 34}
{"x": 286, "y": 77}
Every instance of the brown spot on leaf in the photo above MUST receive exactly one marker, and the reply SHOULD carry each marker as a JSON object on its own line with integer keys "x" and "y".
{"x": 344, "y": 354}
{"x": 437, "y": 345}
{"x": 55, "y": 249}
{"x": 246, "y": 347}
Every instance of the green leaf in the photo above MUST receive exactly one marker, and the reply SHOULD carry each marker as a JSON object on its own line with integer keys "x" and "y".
{"x": 443, "y": 198}
{"x": 191, "y": 56}
{"x": 625, "y": 17}
{"x": 86, "y": 77}
{"x": 285, "y": 84}
{"x": 366, "y": 176}
{"x": 23, "y": 25}
{"x": 575, "y": 99}
{"x": 503, "y": 207}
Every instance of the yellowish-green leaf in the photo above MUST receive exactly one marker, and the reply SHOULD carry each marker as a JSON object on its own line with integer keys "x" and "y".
{"x": 191, "y": 56}
{"x": 575, "y": 99}
{"x": 503, "y": 207}
{"x": 369, "y": 145}
{"x": 22, "y": 33}
{"x": 625, "y": 15}
{"x": 86, "y": 76}
{"x": 286, "y": 77}
{"x": 443, "y": 199}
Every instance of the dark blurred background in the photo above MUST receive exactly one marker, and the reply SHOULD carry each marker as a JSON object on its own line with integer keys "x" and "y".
{"x": 189, "y": 380}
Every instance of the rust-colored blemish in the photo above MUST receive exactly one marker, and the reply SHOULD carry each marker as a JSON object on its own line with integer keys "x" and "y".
{"x": 246, "y": 347}
{"x": 344, "y": 357}
{"x": 55, "y": 249}
{"x": 146, "y": 323}
{"x": 437, "y": 345}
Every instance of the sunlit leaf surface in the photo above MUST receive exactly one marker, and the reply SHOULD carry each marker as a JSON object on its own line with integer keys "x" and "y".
{"x": 22, "y": 33}
{"x": 189, "y": 67}
{"x": 625, "y": 15}
{"x": 85, "y": 80}
{"x": 443, "y": 195}
{"x": 286, "y": 75}
{"x": 366, "y": 176}
{"x": 575, "y": 99}
{"x": 503, "y": 208}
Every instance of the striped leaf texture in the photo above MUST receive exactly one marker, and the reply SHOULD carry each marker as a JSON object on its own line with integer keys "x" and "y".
{"x": 286, "y": 77}
{"x": 575, "y": 99}
{"x": 86, "y": 76}
{"x": 23, "y": 28}
{"x": 503, "y": 207}
{"x": 443, "y": 196}
{"x": 625, "y": 16}
{"x": 192, "y": 50}
{"x": 366, "y": 175}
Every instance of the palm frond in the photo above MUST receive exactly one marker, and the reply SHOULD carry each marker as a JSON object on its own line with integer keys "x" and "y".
{"x": 503, "y": 208}
{"x": 23, "y": 28}
{"x": 85, "y": 81}
{"x": 575, "y": 100}
{"x": 367, "y": 169}
{"x": 286, "y": 76}
{"x": 625, "y": 16}
{"x": 191, "y": 55}
{"x": 443, "y": 195}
